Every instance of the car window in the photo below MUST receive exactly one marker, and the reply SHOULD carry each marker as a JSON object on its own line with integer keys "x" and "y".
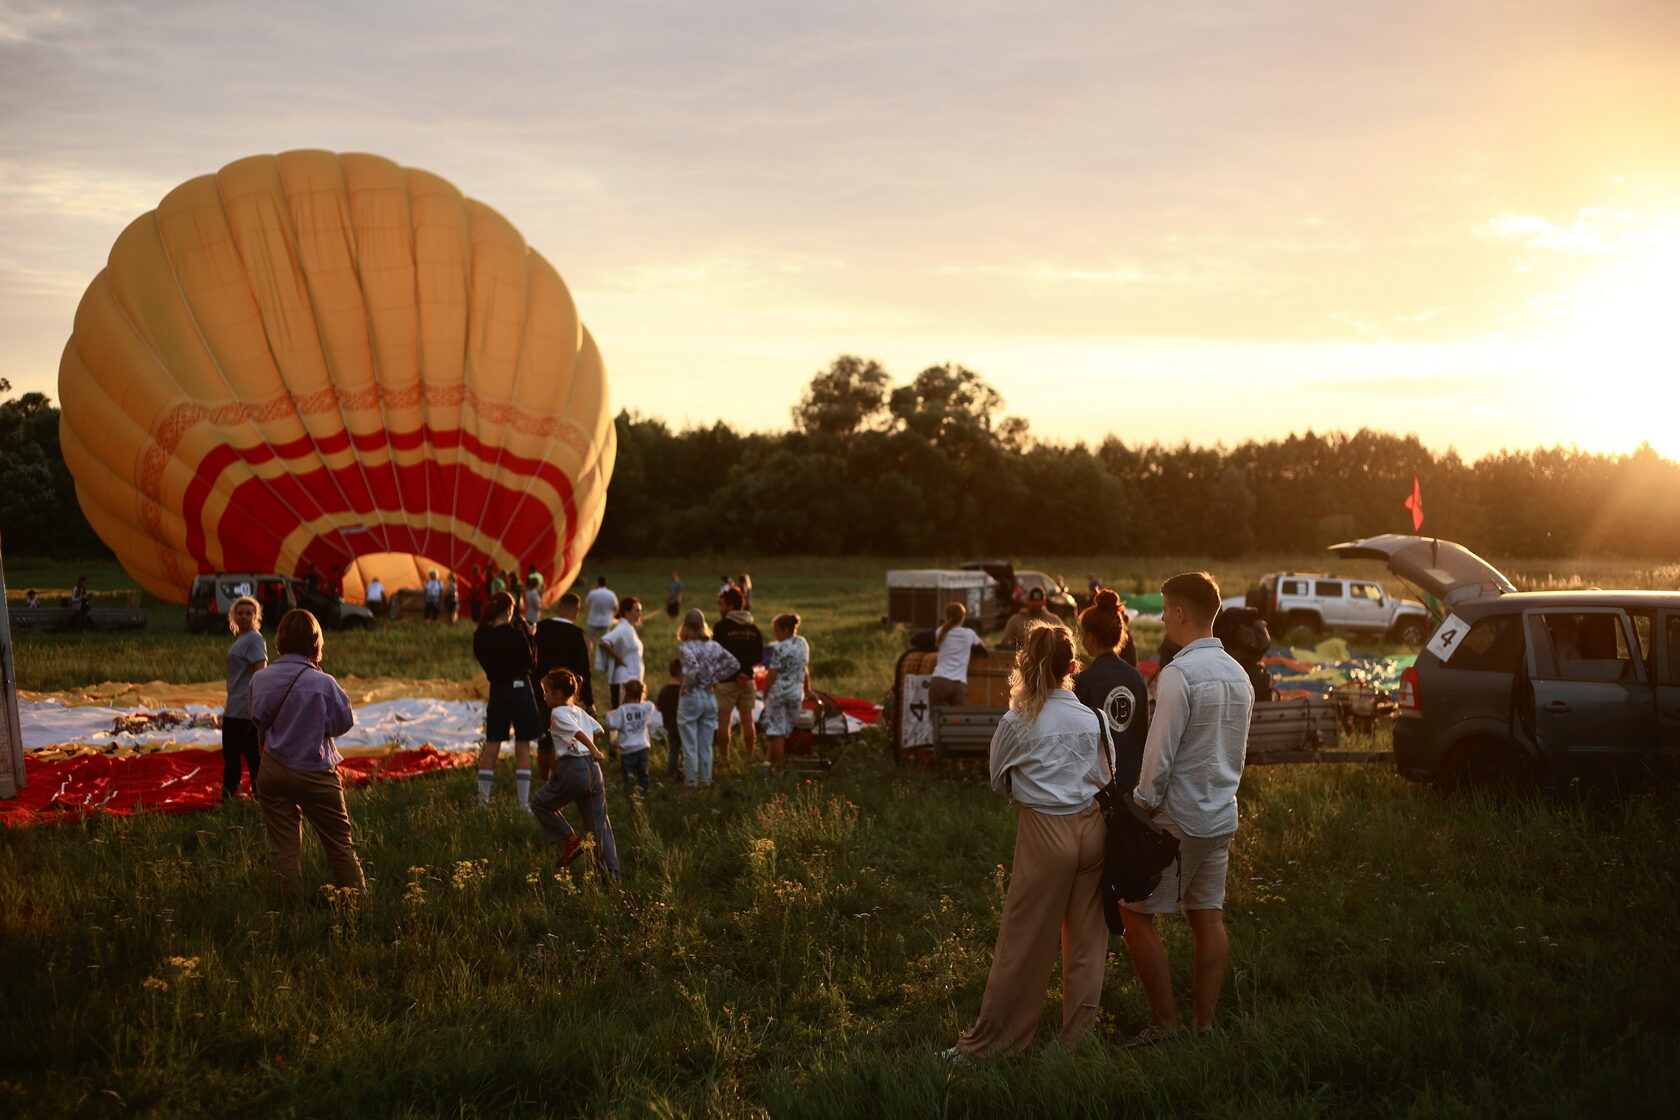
{"x": 1673, "y": 675}
{"x": 1587, "y": 647}
{"x": 1366, "y": 591}
{"x": 233, "y": 589}
{"x": 1493, "y": 645}
{"x": 1328, "y": 589}
{"x": 1294, "y": 587}
{"x": 1644, "y": 626}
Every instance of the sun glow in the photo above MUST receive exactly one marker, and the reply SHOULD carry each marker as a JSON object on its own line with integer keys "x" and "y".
{"x": 1611, "y": 350}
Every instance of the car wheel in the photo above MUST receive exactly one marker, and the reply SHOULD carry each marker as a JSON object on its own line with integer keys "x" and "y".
{"x": 1410, "y": 633}
{"x": 1491, "y": 766}
{"x": 1305, "y": 620}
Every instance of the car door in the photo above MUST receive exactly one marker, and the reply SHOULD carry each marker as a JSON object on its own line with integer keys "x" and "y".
{"x": 1590, "y": 696}
{"x": 1332, "y": 601}
{"x": 1367, "y": 609}
{"x": 1668, "y": 682}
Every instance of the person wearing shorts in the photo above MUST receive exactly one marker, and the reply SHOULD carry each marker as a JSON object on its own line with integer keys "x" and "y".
{"x": 786, "y": 685}
{"x": 739, "y": 634}
{"x": 1192, "y": 765}
{"x": 502, "y": 646}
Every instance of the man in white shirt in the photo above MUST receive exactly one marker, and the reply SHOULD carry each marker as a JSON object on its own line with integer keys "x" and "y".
{"x": 601, "y": 606}
{"x": 1192, "y": 764}
{"x": 376, "y": 597}
{"x": 434, "y": 596}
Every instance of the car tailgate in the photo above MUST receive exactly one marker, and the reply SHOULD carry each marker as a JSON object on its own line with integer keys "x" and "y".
{"x": 1446, "y": 570}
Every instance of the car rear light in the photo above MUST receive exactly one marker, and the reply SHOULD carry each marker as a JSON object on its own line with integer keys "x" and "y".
{"x": 1410, "y": 697}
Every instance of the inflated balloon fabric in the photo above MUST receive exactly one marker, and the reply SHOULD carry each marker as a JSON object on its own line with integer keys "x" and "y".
{"x": 329, "y": 360}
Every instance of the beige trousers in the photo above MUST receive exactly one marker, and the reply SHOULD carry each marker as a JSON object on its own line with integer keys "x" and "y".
{"x": 288, "y": 796}
{"x": 1053, "y": 892}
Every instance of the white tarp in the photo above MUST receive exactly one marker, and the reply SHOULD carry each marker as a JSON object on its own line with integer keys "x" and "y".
{"x": 449, "y": 725}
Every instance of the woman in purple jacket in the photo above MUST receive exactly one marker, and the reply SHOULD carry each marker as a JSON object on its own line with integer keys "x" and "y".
{"x": 300, "y": 709}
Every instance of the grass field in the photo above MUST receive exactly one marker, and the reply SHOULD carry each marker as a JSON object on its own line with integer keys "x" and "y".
{"x": 842, "y": 601}
{"x": 804, "y": 949}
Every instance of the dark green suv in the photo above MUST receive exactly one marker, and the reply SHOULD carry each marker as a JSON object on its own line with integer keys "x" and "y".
{"x": 1534, "y": 686}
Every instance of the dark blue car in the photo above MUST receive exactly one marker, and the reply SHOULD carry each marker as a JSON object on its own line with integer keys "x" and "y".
{"x": 1533, "y": 686}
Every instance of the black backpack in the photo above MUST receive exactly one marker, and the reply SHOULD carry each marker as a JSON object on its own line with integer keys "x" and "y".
{"x": 1243, "y": 632}
{"x": 1136, "y": 850}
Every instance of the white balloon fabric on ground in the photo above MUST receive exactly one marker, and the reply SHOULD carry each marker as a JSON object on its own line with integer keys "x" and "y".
{"x": 448, "y": 725}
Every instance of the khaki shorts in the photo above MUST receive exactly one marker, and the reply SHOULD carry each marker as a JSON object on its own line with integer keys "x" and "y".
{"x": 1196, "y": 880}
{"x": 733, "y": 695}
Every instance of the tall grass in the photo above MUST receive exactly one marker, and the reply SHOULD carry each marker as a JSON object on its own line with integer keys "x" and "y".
{"x": 804, "y": 949}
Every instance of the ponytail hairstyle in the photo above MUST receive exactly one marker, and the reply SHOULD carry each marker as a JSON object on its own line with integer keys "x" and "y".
{"x": 497, "y": 611}
{"x": 1103, "y": 622}
{"x": 954, "y": 615}
{"x": 1041, "y": 667}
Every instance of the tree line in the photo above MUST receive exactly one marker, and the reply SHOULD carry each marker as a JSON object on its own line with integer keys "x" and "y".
{"x": 936, "y": 467}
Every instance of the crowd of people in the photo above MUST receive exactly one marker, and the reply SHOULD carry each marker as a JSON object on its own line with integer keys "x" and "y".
{"x": 1076, "y": 727}
{"x": 540, "y": 672}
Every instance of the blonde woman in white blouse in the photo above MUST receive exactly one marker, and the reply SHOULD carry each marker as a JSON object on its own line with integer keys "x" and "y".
{"x": 1047, "y": 757}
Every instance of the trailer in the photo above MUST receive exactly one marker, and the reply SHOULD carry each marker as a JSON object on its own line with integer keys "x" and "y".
{"x": 917, "y": 597}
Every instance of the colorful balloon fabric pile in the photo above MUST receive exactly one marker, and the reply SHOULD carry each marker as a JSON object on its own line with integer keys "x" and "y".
{"x": 1298, "y": 673}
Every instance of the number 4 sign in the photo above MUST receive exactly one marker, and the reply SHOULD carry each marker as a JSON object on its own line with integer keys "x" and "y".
{"x": 1446, "y": 639}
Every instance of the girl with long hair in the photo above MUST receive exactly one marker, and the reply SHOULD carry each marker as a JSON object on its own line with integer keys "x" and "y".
{"x": 246, "y": 657}
{"x": 1112, "y": 688}
{"x": 955, "y": 644}
{"x": 1047, "y": 757}
{"x": 704, "y": 664}
{"x": 502, "y": 646}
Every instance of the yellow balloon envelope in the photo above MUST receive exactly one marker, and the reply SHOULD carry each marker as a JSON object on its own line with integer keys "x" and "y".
{"x": 315, "y": 360}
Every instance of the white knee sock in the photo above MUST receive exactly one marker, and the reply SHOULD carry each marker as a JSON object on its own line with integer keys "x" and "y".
{"x": 522, "y": 783}
{"x": 486, "y": 779}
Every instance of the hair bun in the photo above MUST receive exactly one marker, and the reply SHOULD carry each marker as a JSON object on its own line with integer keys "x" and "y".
{"x": 1106, "y": 600}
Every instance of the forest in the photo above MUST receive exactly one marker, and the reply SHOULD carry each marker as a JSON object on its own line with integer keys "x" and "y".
{"x": 936, "y": 466}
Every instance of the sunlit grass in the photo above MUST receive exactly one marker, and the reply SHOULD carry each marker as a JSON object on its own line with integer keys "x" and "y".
{"x": 806, "y": 948}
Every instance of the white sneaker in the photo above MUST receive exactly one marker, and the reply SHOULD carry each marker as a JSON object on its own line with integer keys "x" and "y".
{"x": 957, "y": 1058}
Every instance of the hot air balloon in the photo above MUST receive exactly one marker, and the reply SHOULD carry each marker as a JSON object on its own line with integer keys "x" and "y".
{"x": 327, "y": 360}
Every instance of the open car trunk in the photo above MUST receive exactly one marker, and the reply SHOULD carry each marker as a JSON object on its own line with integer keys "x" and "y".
{"x": 1448, "y": 571}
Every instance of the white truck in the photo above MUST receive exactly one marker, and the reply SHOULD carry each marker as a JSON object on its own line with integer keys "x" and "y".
{"x": 1320, "y": 601}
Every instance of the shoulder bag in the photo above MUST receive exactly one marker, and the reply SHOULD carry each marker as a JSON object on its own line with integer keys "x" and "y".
{"x": 1136, "y": 850}
{"x": 262, "y": 728}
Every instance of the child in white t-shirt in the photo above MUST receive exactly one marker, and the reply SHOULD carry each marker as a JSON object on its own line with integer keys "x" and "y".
{"x": 633, "y": 720}
{"x": 577, "y": 777}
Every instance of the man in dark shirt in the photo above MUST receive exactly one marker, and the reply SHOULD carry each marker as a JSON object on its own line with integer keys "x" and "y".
{"x": 561, "y": 644}
{"x": 669, "y": 697}
{"x": 737, "y": 633}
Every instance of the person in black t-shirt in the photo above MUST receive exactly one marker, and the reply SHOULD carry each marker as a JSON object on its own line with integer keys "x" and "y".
{"x": 669, "y": 697}
{"x": 561, "y": 644}
{"x": 737, "y": 633}
{"x": 1112, "y": 688}
{"x": 502, "y": 646}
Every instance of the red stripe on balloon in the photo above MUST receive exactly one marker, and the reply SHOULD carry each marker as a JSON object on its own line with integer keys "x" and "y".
{"x": 261, "y": 513}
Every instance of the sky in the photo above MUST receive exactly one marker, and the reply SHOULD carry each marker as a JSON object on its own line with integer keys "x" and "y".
{"x": 1167, "y": 221}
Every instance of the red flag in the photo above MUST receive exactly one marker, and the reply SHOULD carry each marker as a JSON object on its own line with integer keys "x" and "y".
{"x": 1415, "y": 504}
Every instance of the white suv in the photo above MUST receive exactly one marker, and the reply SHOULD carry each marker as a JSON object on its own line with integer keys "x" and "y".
{"x": 1327, "y": 602}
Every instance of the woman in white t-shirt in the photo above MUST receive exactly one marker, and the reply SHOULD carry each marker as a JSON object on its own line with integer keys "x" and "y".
{"x": 955, "y": 643}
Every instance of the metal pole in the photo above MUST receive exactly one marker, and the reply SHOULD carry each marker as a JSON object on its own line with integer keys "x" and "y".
{"x": 12, "y": 776}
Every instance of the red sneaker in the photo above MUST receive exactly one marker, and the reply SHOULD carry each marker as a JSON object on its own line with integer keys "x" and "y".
{"x": 569, "y": 850}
